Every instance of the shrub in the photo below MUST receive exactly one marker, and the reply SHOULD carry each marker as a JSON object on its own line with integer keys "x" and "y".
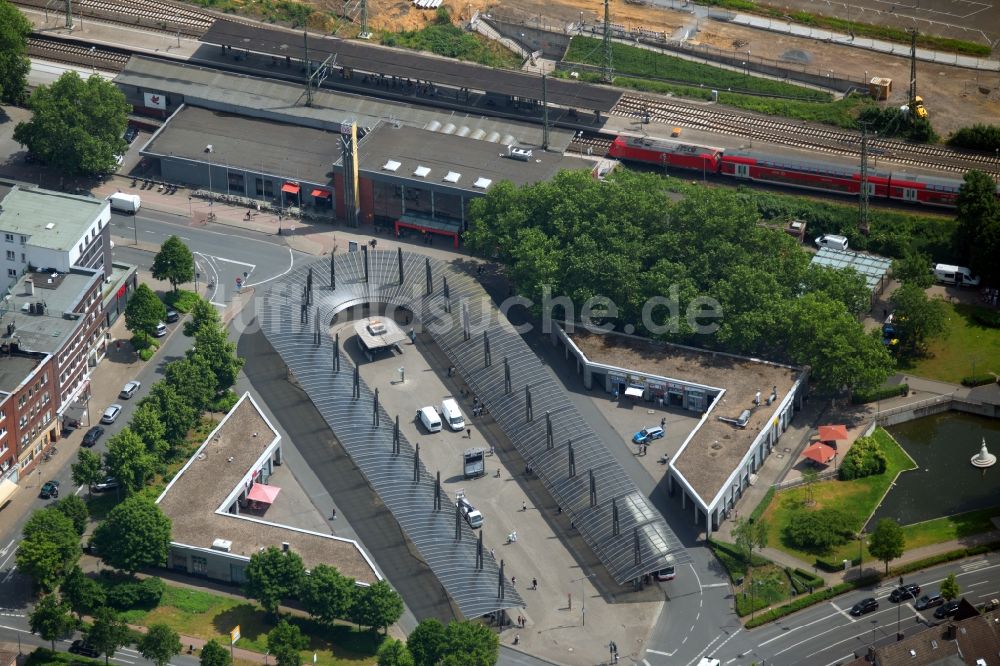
{"x": 987, "y": 318}
{"x": 864, "y": 458}
{"x": 814, "y": 598}
{"x": 881, "y": 393}
{"x": 977, "y": 137}
{"x": 978, "y": 380}
{"x": 733, "y": 560}
{"x": 810, "y": 578}
{"x": 762, "y": 506}
{"x": 147, "y": 353}
{"x": 127, "y": 593}
{"x": 817, "y": 531}
{"x": 224, "y": 402}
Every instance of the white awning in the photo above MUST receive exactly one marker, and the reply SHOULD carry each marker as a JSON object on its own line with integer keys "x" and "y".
{"x": 633, "y": 392}
{"x": 7, "y": 490}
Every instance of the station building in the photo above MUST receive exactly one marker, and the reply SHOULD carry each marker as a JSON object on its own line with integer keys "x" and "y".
{"x": 745, "y": 404}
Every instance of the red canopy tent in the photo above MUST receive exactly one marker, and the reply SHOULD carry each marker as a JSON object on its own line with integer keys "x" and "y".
{"x": 262, "y": 493}
{"x": 819, "y": 453}
{"x": 832, "y": 433}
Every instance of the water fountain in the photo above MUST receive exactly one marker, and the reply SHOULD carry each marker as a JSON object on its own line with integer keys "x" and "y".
{"x": 984, "y": 458}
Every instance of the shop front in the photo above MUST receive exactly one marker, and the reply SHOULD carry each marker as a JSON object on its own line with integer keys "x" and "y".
{"x": 639, "y": 387}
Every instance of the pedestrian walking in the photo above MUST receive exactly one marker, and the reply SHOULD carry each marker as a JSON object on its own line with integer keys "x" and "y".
{"x": 451, "y": 370}
{"x": 514, "y": 536}
{"x": 663, "y": 422}
{"x": 497, "y": 475}
{"x": 468, "y": 433}
{"x": 513, "y": 581}
{"x": 492, "y": 554}
{"x": 534, "y": 583}
{"x": 524, "y": 505}
{"x": 492, "y": 449}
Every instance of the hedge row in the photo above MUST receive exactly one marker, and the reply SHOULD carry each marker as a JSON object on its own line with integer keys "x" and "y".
{"x": 762, "y": 506}
{"x": 732, "y": 559}
{"x": 987, "y": 318}
{"x": 803, "y": 584}
{"x": 809, "y": 600}
{"x": 881, "y": 393}
{"x": 810, "y": 577}
{"x": 978, "y": 380}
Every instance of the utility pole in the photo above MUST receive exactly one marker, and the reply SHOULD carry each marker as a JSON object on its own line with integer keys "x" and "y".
{"x": 69, "y": 14}
{"x": 913, "y": 67}
{"x": 365, "y": 33}
{"x": 863, "y": 192}
{"x": 309, "y": 90}
{"x": 545, "y": 114}
{"x": 607, "y": 74}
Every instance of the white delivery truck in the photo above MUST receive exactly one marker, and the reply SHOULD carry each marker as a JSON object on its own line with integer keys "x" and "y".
{"x": 124, "y": 203}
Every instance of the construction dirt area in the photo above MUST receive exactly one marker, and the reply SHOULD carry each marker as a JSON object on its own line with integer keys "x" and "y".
{"x": 955, "y": 97}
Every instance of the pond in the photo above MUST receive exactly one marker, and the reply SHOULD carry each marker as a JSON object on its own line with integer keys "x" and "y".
{"x": 945, "y": 482}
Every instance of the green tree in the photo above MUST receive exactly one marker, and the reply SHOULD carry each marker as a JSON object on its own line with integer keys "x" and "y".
{"x": 144, "y": 311}
{"x": 128, "y": 460}
{"x": 213, "y": 346}
{"x": 809, "y": 477}
{"x": 327, "y": 594}
{"x": 817, "y": 531}
{"x": 750, "y": 535}
{"x": 174, "y": 263}
{"x": 914, "y": 267}
{"x": 51, "y": 619}
{"x": 470, "y": 644}
{"x": 75, "y": 509}
{"x": 136, "y": 534}
{"x": 202, "y": 314}
{"x": 393, "y": 653}
{"x": 949, "y": 587}
{"x": 14, "y": 64}
{"x": 376, "y": 606}
{"x": 76, "y": 125}
{"x": 88, "y": 469}
{"x": 50, "y": 548}
{"x": 844, "y": 285}
{"x": 160, "y": 644}
{"x": 274, "y": 575}
{"x": 148, "y": 424}
{"x": 977, "y": 237}
{"x": 214, "y": 654}
{"x": 285, "y": 641}
{"x": 107, "y": 633}
{"x": 887, "y": 541}
{"x": 83, "y": 593}
{"x": 427, "y": 643}
{"x": 193, "y": 380}
{"x": 179, "y": 416}
{"x": 916, "y": 318}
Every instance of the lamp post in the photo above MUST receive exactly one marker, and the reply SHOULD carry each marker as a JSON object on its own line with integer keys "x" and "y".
{"x": 861, "y": 541}
{"x": 899, "y": 613}
{"x": 583, "y": 598}
{"x": 135, "y": 232}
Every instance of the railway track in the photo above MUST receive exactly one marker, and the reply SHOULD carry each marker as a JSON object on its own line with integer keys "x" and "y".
{"x": 802, "y": 135}
{"x": 157, "y": 15}
{"x": 592, "y": 144}
{"x": 59, "y": 50}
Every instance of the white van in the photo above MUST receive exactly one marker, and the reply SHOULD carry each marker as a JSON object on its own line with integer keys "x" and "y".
{"x": 956, "y": 275}
{"x": 125, "y": 203}
{"x": 832, "y": 240}
{"x": 452, "y": 415}
{"x": 429, "y": 417}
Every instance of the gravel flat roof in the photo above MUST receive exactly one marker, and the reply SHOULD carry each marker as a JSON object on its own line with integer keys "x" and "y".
{"x": 194, "y": 497}
{"x": 716, "y": 448}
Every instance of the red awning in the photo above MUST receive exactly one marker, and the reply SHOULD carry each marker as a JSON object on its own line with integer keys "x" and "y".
{"x": 290, "y": 188}
{"x": 262, "y": 493}
{"x": 832, "y": 433}
{"x": 820, "y": 453}
{"x": 320, "y": 194}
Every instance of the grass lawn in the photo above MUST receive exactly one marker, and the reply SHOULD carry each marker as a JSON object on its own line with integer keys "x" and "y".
{"x": 950, "y": 356}
{"x": 205, "y": 615}
{"x": 949, "y": 528}
{"x": 770, "y": 586}
{"x": 857, "y": 498}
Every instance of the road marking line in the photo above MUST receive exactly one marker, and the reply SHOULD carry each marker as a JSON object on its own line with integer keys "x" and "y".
{"x": 665, "y": 654}
{"x": 78, "y": 490}
{"x": 989, "y": 594}
{"x": 644, "y": 661}
{"x": 841, "y": 660}
{"x": 705, "y": 649}
{"x": 684, "y": 641}
{"x": 791, "y": 629}
{"x": 218, "y": 304}
{"x": 234, "y": 261}
{"x": 974, "y": 565}
{"x": 982, "y": 582}
{"x": 698, "y": 616}
{"x": 4, "y": 550}
{"x": 716, "y": 585}
{"x": 291, "y": 265}
{"x": 10, "y": 575}
{"x": 843, "y": 612}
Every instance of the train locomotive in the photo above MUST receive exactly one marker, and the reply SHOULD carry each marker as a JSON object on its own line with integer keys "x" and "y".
{"x": 788, "y": 171}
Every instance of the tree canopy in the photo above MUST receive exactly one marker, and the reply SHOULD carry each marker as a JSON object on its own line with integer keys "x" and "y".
{"x": 273, "y": 575}
{"x": 177, "y": 414}
{"x": 88, "y": 469}
{"x": 83, "y": 593}
{"x": 626, "y": 240}
{"x": 144, "y": 311}
{"x": 214, "y": 654}
{"x": 285, "y": 641}
{"x": 136, "y": 534}
{"x": 887, "y": 541}
{"x": 427, "y": 643}
{"x": 50, "y": 619}
{"x": 213, "y": 346}
{"x": 376, "y": 606}
{"x": 916, "y": 319}
{"x": 174, "y": 262}
{"x": 470, "y": 644}
{"x": 128, "y": 460}
{"x": 77, "y": 125}
{"x": 394, "y": 653}
{"x": 978, "y": 233}
{"x": 108, "y": 633}
{"x": 327, "y": 594}
{"x": 160, "y": 644}
{"x": 949, "y": 587}
{"x": 14, "y": 63}
{"x": 50, "y": 548}
{"x": 75, "y": 509}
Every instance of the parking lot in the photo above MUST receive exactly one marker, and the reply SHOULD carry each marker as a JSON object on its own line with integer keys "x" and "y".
{"x": 547, "y": 550}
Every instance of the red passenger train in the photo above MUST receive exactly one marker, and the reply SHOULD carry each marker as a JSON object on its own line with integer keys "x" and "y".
{"x": 788, "y": 171}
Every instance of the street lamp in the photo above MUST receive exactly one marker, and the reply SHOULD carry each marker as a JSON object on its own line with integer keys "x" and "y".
{"x": 899, "y": 612}
{"x": 861, "y": 541}
{"x": 583, "y": 598}
{"x": 135, "y": 232}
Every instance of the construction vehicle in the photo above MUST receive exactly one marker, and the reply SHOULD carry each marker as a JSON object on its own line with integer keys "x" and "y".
{"x": 917, "y": 107}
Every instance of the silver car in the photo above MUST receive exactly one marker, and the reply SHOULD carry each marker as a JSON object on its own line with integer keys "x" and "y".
{"x": 129, "y": 390}
{"x": 111, "y": 414}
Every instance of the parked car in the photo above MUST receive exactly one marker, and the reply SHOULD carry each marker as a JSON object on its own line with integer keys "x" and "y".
{"x": 172, "y": 315}
{"x": 129, "y": 389}
{"x": 50, "y": 490}
{"x": 832, "y": 241}
{"x": 83, "y": 648}
{"x": 665, "y": 574}
{"x": 110, "y": 414}
{"x": 946, "y": 610}
{"x": 929, "y": 601}
{"x": 647, "y": 435}
{"x": 92, "y": 436}
{"x": 903, "y": 592}
{"x": 865, "y": 606}
{"x": 109, "y": 483}
{"x": 130, "y": 134}
{"x": 161, "y": 330}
